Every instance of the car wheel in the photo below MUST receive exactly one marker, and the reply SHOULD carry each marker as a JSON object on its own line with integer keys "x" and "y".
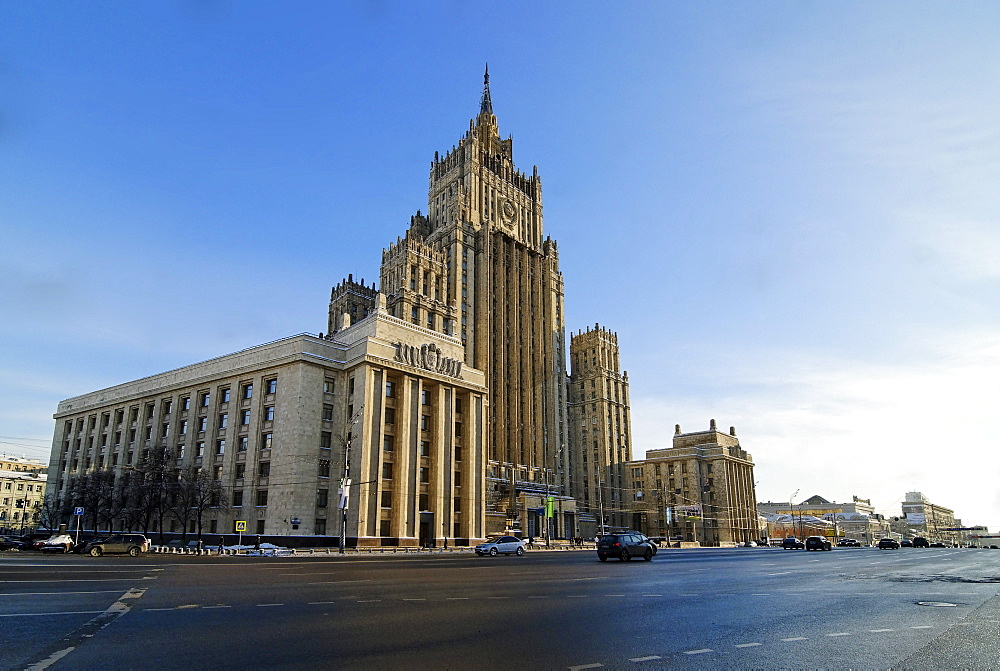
{"x": 493, "y": 552}
{"x": 520, "y": 551}
{"x": 625, "y": 555}
{"x": 133, "y": 552}
{"x": 95, "y": 552}
{"x": 648, "y": 556}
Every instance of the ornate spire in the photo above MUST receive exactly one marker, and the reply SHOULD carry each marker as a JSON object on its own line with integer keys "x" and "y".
{"x": 486, "y": 104}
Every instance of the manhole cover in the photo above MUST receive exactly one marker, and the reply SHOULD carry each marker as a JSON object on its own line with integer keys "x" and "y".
{"x": 937, "y": 604}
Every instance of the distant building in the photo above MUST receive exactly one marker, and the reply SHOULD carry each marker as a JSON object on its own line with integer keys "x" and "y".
{"x": 934, "y": 522}
{"x": 816, "y": 516}
{"x": 22, "y": 492}
{"x": 700, "y": 490}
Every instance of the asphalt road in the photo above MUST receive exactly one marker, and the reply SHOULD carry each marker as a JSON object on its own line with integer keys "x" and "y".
{"x": 711, "y": 608}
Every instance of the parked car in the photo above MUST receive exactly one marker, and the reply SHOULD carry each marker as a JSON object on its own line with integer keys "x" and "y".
{"x": 57, "y": 543}
{"x": 792, "y": 544}
{"x": 920, "y": 542}
{"x": 7, "y": 543}
{"x": 848, "y": 543}
{"x": 818, "y": 543}
{"x": 888, "y": 544}
{"x": 624, "y": 546}
{"x": 501, "y": 545}
{"x": 938, "y": 545}
{"x": 131, "y": 544}
{"x": 905, "y": 543}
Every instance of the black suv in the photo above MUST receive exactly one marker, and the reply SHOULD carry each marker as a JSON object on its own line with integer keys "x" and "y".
{"x": 791, "y": 543}
{"x": 920, "y": 542}
{"x": 817, "y": 543}
{"x": 624, "y": 546}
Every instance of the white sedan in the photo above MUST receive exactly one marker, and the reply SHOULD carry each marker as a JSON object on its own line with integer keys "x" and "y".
{"x": 506, "y": 545}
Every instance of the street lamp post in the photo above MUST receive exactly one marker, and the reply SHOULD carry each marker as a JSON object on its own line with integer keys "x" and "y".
{"x": 345, "y": 484}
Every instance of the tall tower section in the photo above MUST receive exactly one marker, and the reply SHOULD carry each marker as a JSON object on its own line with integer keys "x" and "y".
{"x": 485, "y": 216}
{"x": 601, "y": 424}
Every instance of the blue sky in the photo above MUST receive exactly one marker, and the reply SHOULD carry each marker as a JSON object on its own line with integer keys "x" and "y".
{"x": 787, "y": 211}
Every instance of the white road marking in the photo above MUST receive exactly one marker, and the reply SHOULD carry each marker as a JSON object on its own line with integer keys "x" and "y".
{"x": 697, "y": 652}
{"x": 585, "y": 666}
{"x": 748, "y": 645}
{"x": 457, "y": 598}
{"x": 840, "y": 633}
{"x": 65, "y": 612}
{"x": 879, "y": 631}
{"x": 796, "y": 638}
{"x": 652, "y": 595}
{"x": 319, "y": 603}
{"x": 414, "y": 599}
{"x": 922, "y": 626}
{"x": 266, "y": 605}
{"x": 782, "y": 573}
{"x": 645, "y": 659}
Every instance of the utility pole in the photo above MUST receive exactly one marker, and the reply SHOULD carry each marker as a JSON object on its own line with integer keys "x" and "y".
{"x": 345, "y": 484}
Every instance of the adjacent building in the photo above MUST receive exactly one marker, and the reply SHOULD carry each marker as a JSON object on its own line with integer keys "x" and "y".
{"x": 921, "y": 517}
{"x": 700, "y": 490}
{"x": 816, "y": 516}
{"x": 22, "y": 492}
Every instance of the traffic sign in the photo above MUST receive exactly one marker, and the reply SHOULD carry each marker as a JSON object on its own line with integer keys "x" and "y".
{"x": 241, "y": 525}
{"x": 78, "y": 511}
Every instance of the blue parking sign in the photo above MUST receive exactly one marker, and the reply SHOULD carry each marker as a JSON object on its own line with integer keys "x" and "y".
{"x": 77, "y": 511}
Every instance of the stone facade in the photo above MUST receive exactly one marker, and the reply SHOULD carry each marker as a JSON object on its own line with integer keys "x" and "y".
{"x": 22, "y": 491}
{"x": 601, "y": 430}
{"x": 700, "y": 490}
{"x": 933, "y": 521}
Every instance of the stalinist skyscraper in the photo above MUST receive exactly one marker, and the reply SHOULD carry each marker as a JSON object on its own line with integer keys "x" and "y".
{"x": 504, "y": 288}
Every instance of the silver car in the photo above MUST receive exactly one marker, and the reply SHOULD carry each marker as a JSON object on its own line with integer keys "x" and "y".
{"x": 506, "y": 545}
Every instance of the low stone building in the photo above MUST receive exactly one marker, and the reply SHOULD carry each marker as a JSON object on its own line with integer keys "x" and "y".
{"x": 816, "y": 516}
{"x": 700, "y": 490}
{"x": 270, "y": 431}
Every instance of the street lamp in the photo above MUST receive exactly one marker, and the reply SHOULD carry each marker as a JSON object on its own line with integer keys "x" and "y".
{"x": 345, "y": 484}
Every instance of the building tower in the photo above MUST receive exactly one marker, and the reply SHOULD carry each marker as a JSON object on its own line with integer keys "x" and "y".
{"x": 601, "y": 426}
{"x": 485, "y": 218}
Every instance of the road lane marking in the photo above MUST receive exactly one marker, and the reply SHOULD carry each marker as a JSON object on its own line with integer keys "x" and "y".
{"x": 99, "y": 591}
{"x": 614, "y": 595}
{"x": 645, "y": 659}
{"x": 586, "y": 666}
{"x": 840, "y": 633}
{"x": 498, "y": 597}
{"x": 748, "y": 645}
{"x": 652, "y": 595}
{"x": 369, "y": 600}
{"x": 457, "y": 598}
{"x": 576, "y": 596}
{"x": 64, "y": 612}
{"x": 416, "y": 599}
{"x": 268, "y": 605}
{"x": 319, "y": 603}
{"x": 782, "y": 573}
{"x": 700, "y": 651}
{"x": 922, "y": 626}
{"x": 796, "y": 638}
{"x": 219, "y": 606}
{"x": 879, "y": 631}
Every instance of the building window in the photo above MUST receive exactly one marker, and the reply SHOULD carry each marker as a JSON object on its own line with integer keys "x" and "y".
{"x": 324, "y": 468}
{"x": 350, "y": 386}
{"x": 242, "y": 443}
{"x": 260, "y": 523}
{"x": 265, "y": 441}
{"x": 264, "y": 469}
{"x": 217, "y": 473}
{"x": 387, "y": 443}
{"x": 458, "y": 478}
{"x": 247, "y": 392}
{"x": 325, "y": 440}
{"x": 319, "y": 527}
{"x": 387, "y": 470}
{"x": 425, "y": 448}
{"x": 384, "y": 528}
{"x": 387, "y": 499}
{"x": 261, "y": 499}
{"x": 220, "y": 446}
{"x": 327, "y": 386}
{"x": 458, "y": 505}
{"x": 458, "y": 453}
{"x": 183, "y": 430}
{"x": 199, "y": 449}
{"x": 458, "y": 429}
{"x": 390, "y": 415}
{"x": 224, "y": 395}
{"x": 244, "y": 418}
{"x": 223, "y": 420}
{"x": 322, "y": 498}
{"x": 458, "y": 406}
{"x": 425, "y": 397}
{"x": 239, "y": 471}
{"x": 271, "y": 386}
{"x": 425, "y": 422}
{"x": 389, "y": 389}
{"x": 202, "y": 425}
{"x": 415, "y": 315}
{"x": 327, "y": 413}
{"x": 238, "y": 498}
{"x": 423, "y": 501}
{"x": 425, "y": 475}
{"x": 269, "y": 413}
{"x": 205, "y": 399}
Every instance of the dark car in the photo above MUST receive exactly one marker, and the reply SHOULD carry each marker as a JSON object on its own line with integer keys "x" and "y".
{"x": 817, "y": 543}
{"x": 938, "y": 545}
{"x": 624, "y": 546}
{"x": 920, "y": 542}
{"x": 792, "y": 544}
{"x": 905, "y": 543}
{"x": 888, "y": 544}
{"x": 848, "y": 543}
{"x": 131, "y": 544}
{"x": 7, "y": 543}
{"x": 647, "y": 540}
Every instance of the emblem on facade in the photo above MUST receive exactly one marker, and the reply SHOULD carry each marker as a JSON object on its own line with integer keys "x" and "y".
{"x": 428, "y": 357}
